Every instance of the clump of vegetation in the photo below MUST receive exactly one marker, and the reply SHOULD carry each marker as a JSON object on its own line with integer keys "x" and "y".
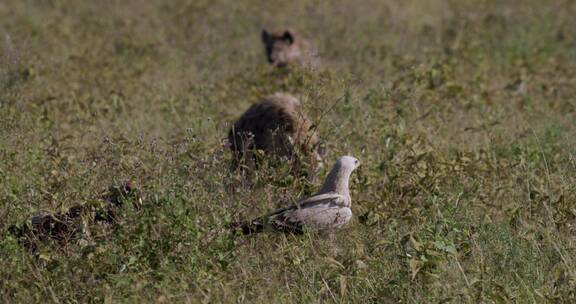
{"x": 462, "y": 114}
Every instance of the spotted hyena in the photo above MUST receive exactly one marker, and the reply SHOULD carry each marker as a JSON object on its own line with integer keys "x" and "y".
{"x": 286, "y": 47}
{"x": 276, "y": 125}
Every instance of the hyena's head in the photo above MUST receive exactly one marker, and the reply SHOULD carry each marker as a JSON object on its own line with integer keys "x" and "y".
{"x": 281, "y": 47}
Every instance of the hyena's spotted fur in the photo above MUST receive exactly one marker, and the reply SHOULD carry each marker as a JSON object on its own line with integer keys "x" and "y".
{"x": 275, "y": 125}
{"x": 285, "y": 47}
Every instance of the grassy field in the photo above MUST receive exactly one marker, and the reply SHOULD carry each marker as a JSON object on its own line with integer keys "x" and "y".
{"x": 462, "y": 113}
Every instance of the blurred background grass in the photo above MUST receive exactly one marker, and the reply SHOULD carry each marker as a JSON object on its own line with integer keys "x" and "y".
{"x": 462, "y": 113}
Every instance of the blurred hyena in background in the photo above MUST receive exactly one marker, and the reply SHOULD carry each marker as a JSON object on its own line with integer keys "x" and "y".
{"x": 285, "y": 47}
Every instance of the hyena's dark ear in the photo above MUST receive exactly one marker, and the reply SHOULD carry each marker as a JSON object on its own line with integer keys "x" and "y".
{"x": 288, "y": 37}
{"x": 265, "y": 36}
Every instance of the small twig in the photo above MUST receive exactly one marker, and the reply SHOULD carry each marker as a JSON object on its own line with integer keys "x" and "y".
{"x": 462, "y": 271}
{"x": 331, "y": 107}
{"x": 457, "y": 204}
{"x": 321, "y": 118}
{"x": 53, "y": 294}
{"x": 543, "y": 156}
{"x": 424, "y": 115}
{"x": 329, "y": 290}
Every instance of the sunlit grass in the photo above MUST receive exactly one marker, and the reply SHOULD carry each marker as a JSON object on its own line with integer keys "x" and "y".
{"x": 462, "y": 114}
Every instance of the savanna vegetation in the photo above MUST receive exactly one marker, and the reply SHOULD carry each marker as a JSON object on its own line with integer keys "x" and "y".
{"x": 461, "y": 112}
